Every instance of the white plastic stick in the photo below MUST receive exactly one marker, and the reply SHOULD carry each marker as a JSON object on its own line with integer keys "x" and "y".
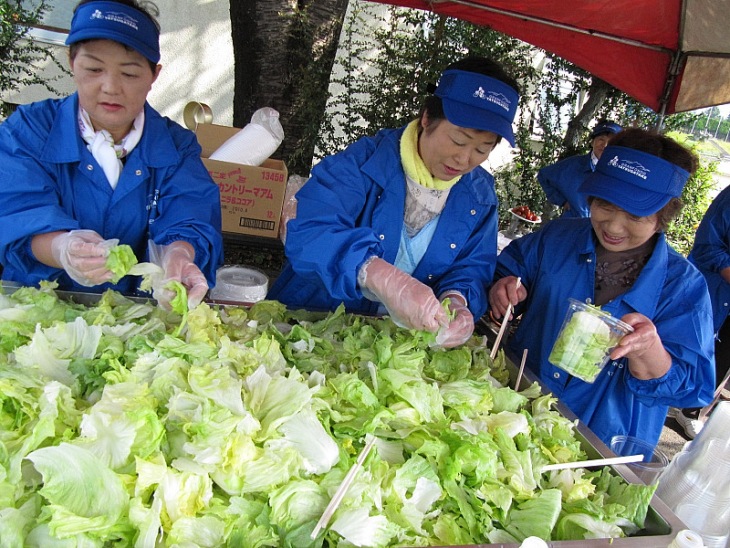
{"x": 505, "y": 322}
{"x": 594, "y": 462}
{"x": 342, "y": 489}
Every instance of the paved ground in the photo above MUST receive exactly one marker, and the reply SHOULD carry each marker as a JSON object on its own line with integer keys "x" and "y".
{"x": 673, "y": 438}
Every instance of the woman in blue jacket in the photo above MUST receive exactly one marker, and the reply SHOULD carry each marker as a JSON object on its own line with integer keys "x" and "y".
{"x": 101, "y": 167}
{"x": 619, "y": 260}
{"x": 561, "y": 180}
{"x": 711, "y": 255}
{"x": 400, "y": 221}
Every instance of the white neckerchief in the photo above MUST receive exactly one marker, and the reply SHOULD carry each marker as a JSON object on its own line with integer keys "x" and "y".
{"x": 422, "y": 205}
{"x": 102, "y": 146}
{"x": 594, "y": 161}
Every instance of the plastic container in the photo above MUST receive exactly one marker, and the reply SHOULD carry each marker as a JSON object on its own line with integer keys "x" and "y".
{"x": 654, "y": 463}
{"x": 696, "y": 484}
{"x": 239, "y": 284}
{"x": 585, "y": 341}
{"x": 519, "y": 225}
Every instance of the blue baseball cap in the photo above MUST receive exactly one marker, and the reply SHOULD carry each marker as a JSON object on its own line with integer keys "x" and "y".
{"x": 605, "y": 127}
{"x": 637, "y": 182}
{"x": 118, "y": 22}
{"x": 477, "y": 101}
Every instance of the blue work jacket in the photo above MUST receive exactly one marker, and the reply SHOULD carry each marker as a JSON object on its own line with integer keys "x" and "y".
{"x": 557, "y": 263}
{"x": 352, "y": 208}
{"x": 561, "y": 180}
{"x": 711, "y": 254}
{"x": 49, "y": 181}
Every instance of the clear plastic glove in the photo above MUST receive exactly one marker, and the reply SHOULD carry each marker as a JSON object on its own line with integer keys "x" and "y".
{"x": 459, "y": 329}
{"x": 177, "y": 260}
{"x": 408, "y": 301}
{"x": 83, "y": 254}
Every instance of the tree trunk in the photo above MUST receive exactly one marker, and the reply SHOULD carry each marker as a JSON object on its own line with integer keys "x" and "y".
{"x": 284, "y": 51}
{"x": 597, "y": 93}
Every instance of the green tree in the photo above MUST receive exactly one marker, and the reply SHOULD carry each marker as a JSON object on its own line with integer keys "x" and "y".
{"x": 21, "y": 58}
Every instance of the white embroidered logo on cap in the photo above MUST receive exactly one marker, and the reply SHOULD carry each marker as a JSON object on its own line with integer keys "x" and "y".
{"x": 629, "y": 166}
{"x": 498, "y": 99}
{"x": 117, "y": 17}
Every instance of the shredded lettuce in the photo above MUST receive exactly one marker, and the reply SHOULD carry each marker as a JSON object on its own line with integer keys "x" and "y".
{"x": 120, "y": 261}
{"x": 119, "y": 427}
{"x": 583, "y": 344}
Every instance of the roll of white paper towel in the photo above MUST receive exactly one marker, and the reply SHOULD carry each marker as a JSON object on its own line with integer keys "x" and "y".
{"x": 255, "y": 142}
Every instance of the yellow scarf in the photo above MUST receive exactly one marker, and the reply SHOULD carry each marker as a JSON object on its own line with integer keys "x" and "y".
{"x": 413, "y": 163}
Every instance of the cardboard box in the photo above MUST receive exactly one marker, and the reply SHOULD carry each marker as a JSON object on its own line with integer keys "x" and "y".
{"x": 251, "y": 196}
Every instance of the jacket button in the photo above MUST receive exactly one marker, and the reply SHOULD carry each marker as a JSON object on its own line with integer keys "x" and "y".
{"x": 473, "y": 211}
{"x": 589, "y": 260}
{"x": 453, "y": 246}
{"x": 90, "y": 167}
{"x": 138, "y": 172}
{"x": 382, "y": 236}
{"x": 556, "y": 375}
{"x": 430, "y": 276}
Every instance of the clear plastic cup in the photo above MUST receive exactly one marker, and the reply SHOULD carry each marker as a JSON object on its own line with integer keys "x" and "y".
{"x": 654, "y": 463}
{"x": 585, "y": 341}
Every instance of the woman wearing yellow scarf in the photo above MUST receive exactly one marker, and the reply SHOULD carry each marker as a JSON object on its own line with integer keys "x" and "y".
{"x": 398, "y": 222}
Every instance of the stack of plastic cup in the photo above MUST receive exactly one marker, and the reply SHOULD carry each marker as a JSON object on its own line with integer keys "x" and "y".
{"x": 696, "y": 484}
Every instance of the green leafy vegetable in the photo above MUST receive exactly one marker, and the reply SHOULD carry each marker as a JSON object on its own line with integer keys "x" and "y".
{"x": 120, "y": 260}
{"x": 119, "y": 428}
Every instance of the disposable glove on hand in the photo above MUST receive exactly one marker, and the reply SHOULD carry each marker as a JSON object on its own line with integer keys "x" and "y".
{"x": 408, "y": 301}
{"x": 82, "y": 254}
{"x": 459, "y": 329}
{"x": 177, "y": 260}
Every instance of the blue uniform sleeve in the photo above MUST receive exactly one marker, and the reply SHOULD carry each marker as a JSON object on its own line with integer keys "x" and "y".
{"x": 711, "y": 250}
{"x": 29, "y": 201}
{"x": 684, "y": 324}
{"x": 189, "y": 206}
{"x": 324, "y": 242}
{"x": 548, "y": 177}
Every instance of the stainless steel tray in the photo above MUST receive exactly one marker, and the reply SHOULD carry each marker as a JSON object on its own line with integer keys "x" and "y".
{"x": 661, "y": 524}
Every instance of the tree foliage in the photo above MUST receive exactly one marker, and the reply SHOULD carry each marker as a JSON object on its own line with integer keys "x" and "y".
{"x": 22, "y": 59}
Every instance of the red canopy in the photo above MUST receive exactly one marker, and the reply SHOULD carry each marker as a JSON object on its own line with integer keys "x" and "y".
{"x": 671, "y": 55}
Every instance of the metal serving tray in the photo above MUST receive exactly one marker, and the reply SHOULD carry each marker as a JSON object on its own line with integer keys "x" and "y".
{"x": 661, "y": 525}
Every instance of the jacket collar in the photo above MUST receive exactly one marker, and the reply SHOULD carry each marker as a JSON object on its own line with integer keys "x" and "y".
{"x": 155, "y": 149}
{"x": 644, "y": 295}
{"x": 385, "y": 162}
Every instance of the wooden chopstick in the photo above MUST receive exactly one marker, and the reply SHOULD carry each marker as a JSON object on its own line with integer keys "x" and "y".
{"x": 593, "y": 462}
{"x": 505, "y": 322}
{"x": 342, "y": 489}
{"x": 522, "y": 368}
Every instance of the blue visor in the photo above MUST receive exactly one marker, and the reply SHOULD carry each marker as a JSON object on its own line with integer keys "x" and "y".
{"x": 118, "y": 22}
{"x": 477, "y": 101}
{"x": 637, "y": 182}
{"x": 605, "y": 127}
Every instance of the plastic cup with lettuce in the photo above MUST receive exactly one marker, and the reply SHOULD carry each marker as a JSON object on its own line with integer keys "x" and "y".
{"x": 586, "y": 339}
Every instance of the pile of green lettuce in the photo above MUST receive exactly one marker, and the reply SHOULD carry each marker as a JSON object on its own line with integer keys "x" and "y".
{"x": 237, "y": 431}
